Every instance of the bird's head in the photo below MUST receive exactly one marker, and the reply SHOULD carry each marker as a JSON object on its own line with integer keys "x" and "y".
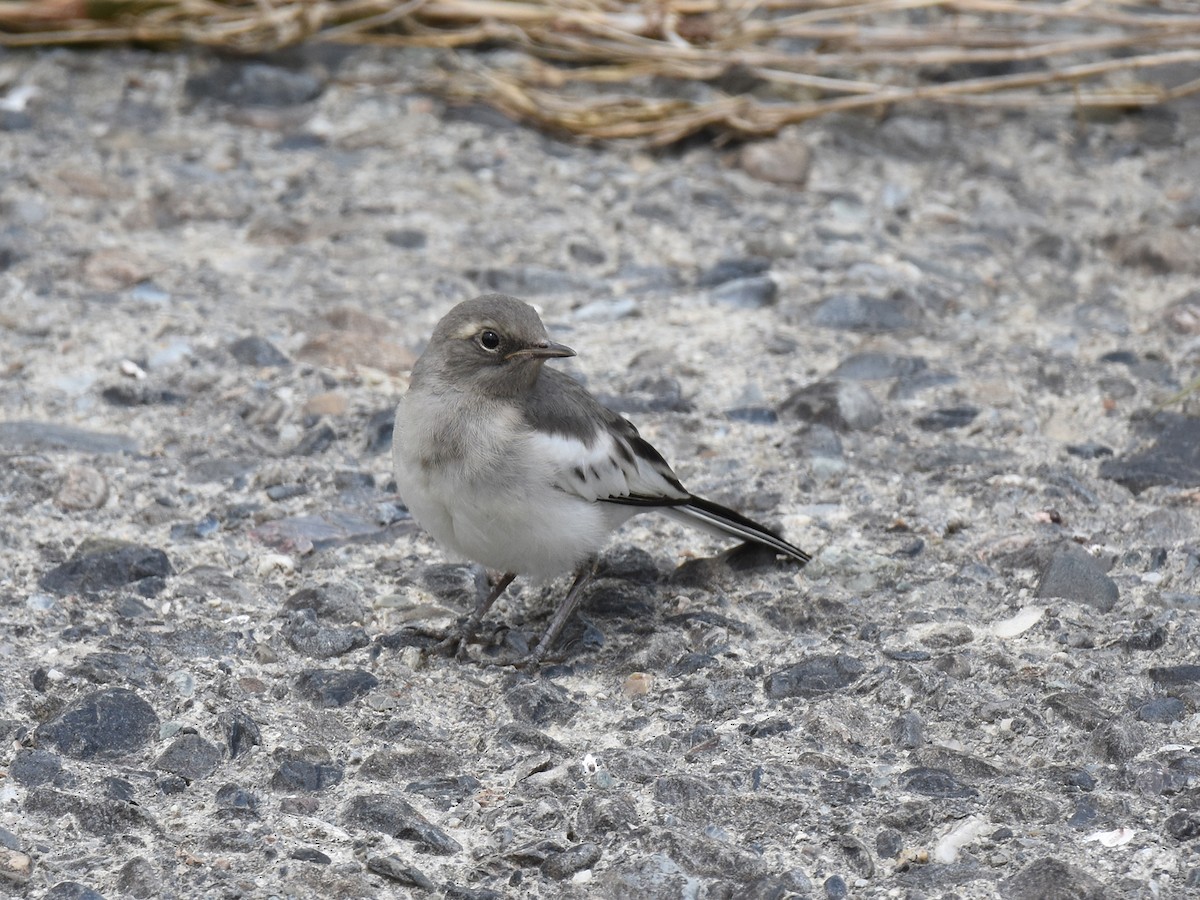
{"x": 495, "y": 344}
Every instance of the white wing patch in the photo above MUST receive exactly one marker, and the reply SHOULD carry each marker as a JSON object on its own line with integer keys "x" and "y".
{"x": 610, "y": 469}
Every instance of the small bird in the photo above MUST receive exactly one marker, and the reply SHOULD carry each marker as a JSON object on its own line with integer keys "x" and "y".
{"x": 514, "y": 465}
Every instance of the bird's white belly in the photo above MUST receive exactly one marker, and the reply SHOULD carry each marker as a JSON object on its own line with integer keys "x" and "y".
{"x": 501, "y": 509}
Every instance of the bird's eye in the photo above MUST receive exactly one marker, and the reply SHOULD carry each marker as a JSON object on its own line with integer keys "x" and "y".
{"x": 489, "y": 340}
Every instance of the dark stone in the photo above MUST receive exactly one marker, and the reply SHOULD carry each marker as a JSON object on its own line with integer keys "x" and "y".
{"x": 1089, "y": 450}
{"x": 840, "y": 405}
{"x": 331, "y": 688}
{"x": 140, "y": 879}
{"x": 564, "y": 864}
{"x": 72, "y": 890}
{"x": 235, "y": 799}
{"x": 96, "y": 817}
{"x": 240, "y": 730}
{"x": 406, "y": 238}
{"x": 308, "y": 854}
{"x": 118, "y": 789}
{"x": 278, "y": 492}
{"x": 874, "y": 366}
{"x": 462, "y": 584}
{"x": 335, "y": 602}
{"x": 445, "y": 792}
{"x": 835, "y": 887}
{"x": 906, "y": 387}
{"x": 935, "y": 783}
{"x": 1173, "y": 459}
{"x": 647, "y": 395}
{"x": 541, "y": 703}
{"x": 1161, "y": 710}
{"x": 1078, "y": 709}
{"x": 1081, "y": 779}
{"x": 862, "y": 312}
{"x": 169, "y": 785}
{"x": 190, "y": 756}
{"x": 629, "y": 563}
{"x": 305, "y": 770}
{"x": 104, "y": 724}
{"x": 397, "y": 870}
{"x": 1147, "y": 638}
{"x": 752, "y": 415}
{"x": 187, "y": 531}
{"x": 601, "y": 814}
{"x": 33, "y": 767}
{"x": 1074, "y": 574}
{"x": 379, "y": 430}
{"x": 240, "y": 83}
{"x": 534, "y": 281}
{"x": 1184, "y": 825}
{"x": 138, "y": 393}
{"x": 815, "y": 676}
{"x": 103, "y": 565}
{"x": 908, "y": 731}
{"x": 1187, "y": 673}
{"x": 888, "y": 843}
{"x": 1118, "y": 740}
{"x": 258, "y": 352}
{"x": 315, "y": 441}
{"x": 35, "y": 437}
{"x": 393, "y": 816}
{"x": 727, "y": 270}
{"x": 1051, "y": 879}
{"x": 948, "y": 418}
{"x": 747, "y": 293}
{"x": 683, "y": 790}
{"x": 314, "y": 639}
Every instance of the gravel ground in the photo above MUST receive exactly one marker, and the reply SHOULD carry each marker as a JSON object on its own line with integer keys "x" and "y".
{"x": 944, "y": 351}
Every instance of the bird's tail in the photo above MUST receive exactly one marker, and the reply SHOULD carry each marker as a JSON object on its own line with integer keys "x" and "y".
{"x": 720, "y": 520}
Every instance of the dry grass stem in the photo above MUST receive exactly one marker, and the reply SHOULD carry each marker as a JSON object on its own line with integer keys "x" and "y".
{"x": 608, "y": 69}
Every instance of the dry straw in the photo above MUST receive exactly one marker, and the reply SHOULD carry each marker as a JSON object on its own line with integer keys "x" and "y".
{"x": 661, "y": 71}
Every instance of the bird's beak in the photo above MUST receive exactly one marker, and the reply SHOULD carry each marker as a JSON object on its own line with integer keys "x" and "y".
{"x": 543, "y": 350}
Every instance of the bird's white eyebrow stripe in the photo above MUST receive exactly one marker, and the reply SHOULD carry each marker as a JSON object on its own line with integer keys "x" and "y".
{"x": 473, "y": 328}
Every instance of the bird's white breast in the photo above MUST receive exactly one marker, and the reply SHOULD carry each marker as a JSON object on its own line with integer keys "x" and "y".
{"x": 484, "y": 487}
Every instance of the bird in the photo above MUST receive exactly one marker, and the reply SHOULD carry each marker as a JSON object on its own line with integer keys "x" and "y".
{"x": 514, "y": 465}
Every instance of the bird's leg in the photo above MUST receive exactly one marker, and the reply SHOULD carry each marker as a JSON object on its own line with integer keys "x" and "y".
{"x": 561, "y": 615}
{"x": 458, "y": 641}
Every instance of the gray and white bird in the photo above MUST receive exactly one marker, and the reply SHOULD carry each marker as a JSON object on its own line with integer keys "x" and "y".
{"x": 514, "y": 465}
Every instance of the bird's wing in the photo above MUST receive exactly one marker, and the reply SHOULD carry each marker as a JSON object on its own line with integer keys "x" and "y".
{"x": 595, "y": 453}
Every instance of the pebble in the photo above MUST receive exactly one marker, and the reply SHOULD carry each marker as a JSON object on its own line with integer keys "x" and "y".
{"x": 392, "y": 816}
{"x": 33, "y": 767}
{"x": 733, "y": 270}
{"x": 82, "y": 487}
{"x": 242, "y": 83}
{"x": 1186, "y": 673}
{"x": 106, "y": 724}
{"x": 258, "y": 352}
{"x": 319, "y": 641}
{"x": 947, "y": 418}
{"x": 308, "y": 770}
{"x": 815, "y": 676}
{"x": 330, "y": 688}
{"x": 72, "y": 890}
{"x": 407, "y": 238}
{"x": 398, "y": 870}
{"x": 37, "y": 437}
{"x": 939, "y": 783}
{"x": 1173, "y": 459}
{"x": 1074, "y": 574}
{"x": 875, "y": 366}
{"x": 100, "y": 564}
{"x": 564, "y": 864}
{"x": 747, "y": 293}
{"x": 190, "y": 757}
{"x": 840, "y": 405}
{"x": 781, "y": 160}
{"x": 1049, "y": 877}
{"x": 864, "y": 312}
{"x": 541, "y": 703}
{"x": 240, "y": 730}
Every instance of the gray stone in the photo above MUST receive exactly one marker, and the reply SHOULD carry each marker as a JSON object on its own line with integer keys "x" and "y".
{"x": 1074, "y": 574}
